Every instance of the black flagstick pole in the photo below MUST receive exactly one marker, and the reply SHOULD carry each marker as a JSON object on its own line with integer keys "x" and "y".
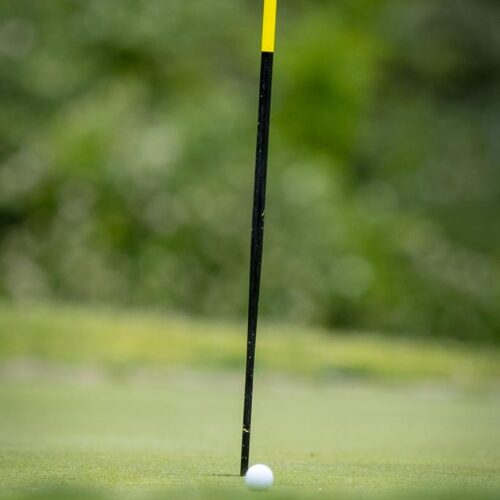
{"x": 259, "y": 203}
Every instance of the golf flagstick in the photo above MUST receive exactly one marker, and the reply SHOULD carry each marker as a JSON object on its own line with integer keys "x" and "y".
{"x": 259, "y": 202}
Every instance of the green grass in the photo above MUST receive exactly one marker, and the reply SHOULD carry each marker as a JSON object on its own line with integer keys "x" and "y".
{"x": 105, "y": 404}
{"x": 124, "y": 340}
{"x": 181, "y": 433}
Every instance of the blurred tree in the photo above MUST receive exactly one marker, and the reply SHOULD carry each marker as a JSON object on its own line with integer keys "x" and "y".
{"x": 126, "y": 159}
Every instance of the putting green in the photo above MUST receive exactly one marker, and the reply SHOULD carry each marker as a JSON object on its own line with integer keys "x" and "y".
{"x": 111, "y": 402}
{"x": 179, "y": 433}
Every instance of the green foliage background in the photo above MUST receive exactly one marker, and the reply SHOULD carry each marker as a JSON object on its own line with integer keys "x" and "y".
{"x": 126, "y": 159}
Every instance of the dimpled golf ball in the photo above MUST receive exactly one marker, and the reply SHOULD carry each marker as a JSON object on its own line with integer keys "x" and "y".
{"x": 259, "y": 477}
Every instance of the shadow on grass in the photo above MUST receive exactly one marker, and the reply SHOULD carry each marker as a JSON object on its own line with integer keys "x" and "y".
{"x": 222, "y": 475}
{"x": 61, "y": 493}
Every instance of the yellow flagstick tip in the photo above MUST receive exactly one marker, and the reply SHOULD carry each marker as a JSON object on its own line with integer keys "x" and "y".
{"x": 269, "y": 25}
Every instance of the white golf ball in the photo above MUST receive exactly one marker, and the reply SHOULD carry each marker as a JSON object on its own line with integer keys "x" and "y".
{"x": 259, "y": 477}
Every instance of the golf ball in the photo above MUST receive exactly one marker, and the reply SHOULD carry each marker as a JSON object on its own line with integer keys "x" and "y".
{"x": 259, "y": 477}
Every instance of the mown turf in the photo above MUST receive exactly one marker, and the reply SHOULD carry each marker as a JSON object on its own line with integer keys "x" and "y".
{"x": 103, "y": 405}
{"x": 181, "y": 433}
{"x": 123, "y": 340}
